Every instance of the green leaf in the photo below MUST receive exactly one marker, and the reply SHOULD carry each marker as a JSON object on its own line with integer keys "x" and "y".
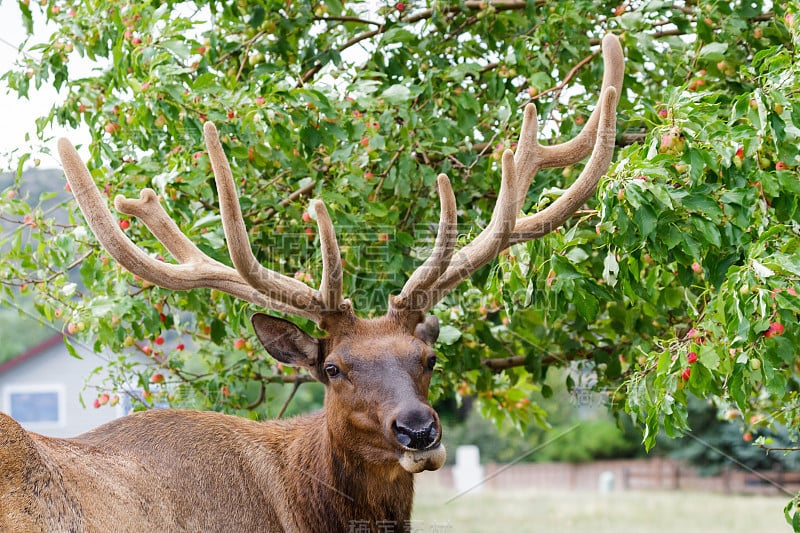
{"x": 449, "y": 334}
{"x": 396, "y": 94}
{"x": 179, "y": 48}
{"x": 646, "y": 219}
{"x": 713, "y": 52}
{"x": 70, "y": 348}
{"x": 257, "y": 15}
{"x": 708, "y": 357}
{"x": 586, "y": 304}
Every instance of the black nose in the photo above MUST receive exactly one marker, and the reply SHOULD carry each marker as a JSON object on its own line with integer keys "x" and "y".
{"x": 415, "y": 439}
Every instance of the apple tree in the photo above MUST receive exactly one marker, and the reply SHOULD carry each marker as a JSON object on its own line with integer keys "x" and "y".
{"x": 679, "y": 279}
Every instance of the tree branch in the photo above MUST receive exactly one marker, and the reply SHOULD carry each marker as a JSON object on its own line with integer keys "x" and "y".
{"x": 260, "y": 399}
{"x": 346, "y": 19}
{"x": 302, "y": 191}
{"x": 289, "y": 399}
{"x": 296, "y": 379}
{"x": 771, "y": 449}
{"x": 469, "y": 5}
{"x": 566, "y": 79}
{"x": 498, "y": 364}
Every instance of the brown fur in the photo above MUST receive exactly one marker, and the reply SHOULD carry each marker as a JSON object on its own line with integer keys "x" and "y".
{"x": 203, "y": 471}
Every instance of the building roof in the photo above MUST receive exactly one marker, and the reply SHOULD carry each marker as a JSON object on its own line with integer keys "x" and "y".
{"x": 31, "y": 352}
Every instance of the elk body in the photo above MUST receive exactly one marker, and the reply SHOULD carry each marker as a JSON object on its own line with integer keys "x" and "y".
{"x": 347, "y": 466}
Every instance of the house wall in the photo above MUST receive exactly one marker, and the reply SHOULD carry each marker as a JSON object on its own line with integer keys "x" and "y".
{"x": 54, "y": 369}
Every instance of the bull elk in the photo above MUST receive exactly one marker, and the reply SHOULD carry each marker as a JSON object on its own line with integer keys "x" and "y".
{"x": 350, "y": 463}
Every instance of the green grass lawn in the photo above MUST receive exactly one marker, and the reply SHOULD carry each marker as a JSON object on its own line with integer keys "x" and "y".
{"x": 617, "y": 512}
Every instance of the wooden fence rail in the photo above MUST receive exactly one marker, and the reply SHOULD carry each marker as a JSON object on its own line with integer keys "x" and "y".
{"x": 634, "y": 474}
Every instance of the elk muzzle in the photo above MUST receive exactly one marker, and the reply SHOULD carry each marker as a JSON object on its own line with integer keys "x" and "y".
{"x": 418, "y": 433}
{"x": 415, "y": 439}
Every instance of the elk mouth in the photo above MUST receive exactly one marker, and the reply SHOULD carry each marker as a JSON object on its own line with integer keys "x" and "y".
{"x": 416, "y": 461}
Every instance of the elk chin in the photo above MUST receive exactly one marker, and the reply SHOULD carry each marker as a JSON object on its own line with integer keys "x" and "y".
{"x": 416, "y": 461}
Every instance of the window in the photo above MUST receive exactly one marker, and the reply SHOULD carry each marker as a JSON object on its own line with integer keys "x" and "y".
{"x": 35, "y": 405}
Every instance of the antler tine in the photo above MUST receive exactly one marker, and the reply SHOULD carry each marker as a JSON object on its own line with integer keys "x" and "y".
{"x": 541, "y": 223}
{"x": 330, "y": 288}
{"x": 574, "y": 150}
{"x": 491, "y": 241}
{"x": 274, "y": 285}
{"x": 415, "y": 293}
{"x": 532, "y": 156}
{"x": 196, "y": 269}
{"x": 519, "y": 169}
{"x": 149, "y": 210}
{"x": 494, "y": 237}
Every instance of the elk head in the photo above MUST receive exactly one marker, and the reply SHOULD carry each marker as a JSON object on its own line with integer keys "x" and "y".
{"x": 376, "y": 371}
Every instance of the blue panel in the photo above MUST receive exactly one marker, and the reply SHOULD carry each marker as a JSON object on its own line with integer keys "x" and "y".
{"x": 34, "y": 406}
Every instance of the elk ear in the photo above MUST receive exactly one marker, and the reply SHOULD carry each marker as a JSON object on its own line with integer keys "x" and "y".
{"x": 428, "y": 330}
{"x": 286, "y": 342}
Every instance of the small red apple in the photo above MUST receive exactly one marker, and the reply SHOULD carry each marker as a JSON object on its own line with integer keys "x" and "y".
{"x": 239, "y": 344}
{"x": 157, "y": 378}
{"x": 691, "y": 357}
{"x": 96, "y": 403}
{"x": 103, "y": 399}
{"x": 686, "y": 374}
{"x": 780, "y": 165}
{"x": 159, "y": 340}
{"x": 775, "y": 329}
{"x": 696, "y": 268}
{"x": 306, "y": 216}
{"x": 747, "y": 437}
{"x": 180, "y": 347}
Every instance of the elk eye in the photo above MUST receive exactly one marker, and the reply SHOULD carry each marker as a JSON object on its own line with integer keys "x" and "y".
{"x": 431, "y": 362}
{"x": 332, "y": 370}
